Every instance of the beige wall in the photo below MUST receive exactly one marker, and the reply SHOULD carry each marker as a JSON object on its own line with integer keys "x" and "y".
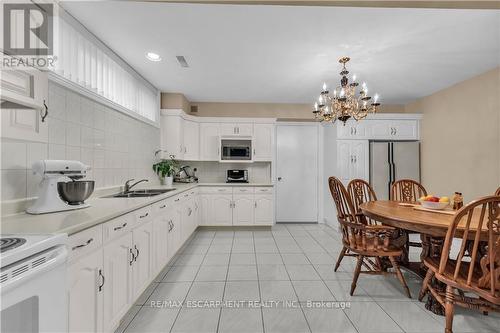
{"x": 461, "y": 137}
{"x": 272, "y": 110}
{"x": 175, "y": 101}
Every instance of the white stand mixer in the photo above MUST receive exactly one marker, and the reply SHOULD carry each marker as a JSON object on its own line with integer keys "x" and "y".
{"x": 53, "y": 172}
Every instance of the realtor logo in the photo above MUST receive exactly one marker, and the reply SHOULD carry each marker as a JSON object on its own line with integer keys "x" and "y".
{"x": 28, "y": 29}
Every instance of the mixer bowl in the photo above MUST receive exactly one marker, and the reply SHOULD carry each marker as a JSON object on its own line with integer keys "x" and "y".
{"x": 75, "y": 192}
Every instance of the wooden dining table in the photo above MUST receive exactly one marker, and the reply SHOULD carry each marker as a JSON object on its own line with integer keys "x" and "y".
{"x": 432, "y": 226}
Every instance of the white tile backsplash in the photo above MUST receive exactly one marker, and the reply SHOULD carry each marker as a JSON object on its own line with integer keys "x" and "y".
{"x": 114, "y": 145}
{"x": 215, "y": 172}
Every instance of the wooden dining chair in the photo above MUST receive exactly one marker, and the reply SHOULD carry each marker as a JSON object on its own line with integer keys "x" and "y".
{"x": 407, "y": 190}
{"x": 497, "y": 192}
{"x": 475, "y": 268}
{"x": 360, "y": 192}
{"x": 365, "y": 241}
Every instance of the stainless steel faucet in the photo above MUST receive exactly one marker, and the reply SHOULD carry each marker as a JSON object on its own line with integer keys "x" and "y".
{"x": 127, "y": 187}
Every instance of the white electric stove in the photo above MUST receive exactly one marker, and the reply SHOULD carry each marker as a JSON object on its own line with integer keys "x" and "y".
{"x": 33, "y": 283}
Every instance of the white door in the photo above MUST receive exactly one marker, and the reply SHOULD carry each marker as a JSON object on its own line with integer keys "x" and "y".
{"x": 85, "y": 293}
{"x": 263, "y": 142}
{"x": 209, "y": 141}
{"x": 222, "y": 212}
{"x": 191, "y": 140}
{"x": 142, "y": 266}
{"x": 244, "y": 208}
{"x": 297, "y": 172}
{"x": 264, "y": 209}
{"x": 118, "y": 262}
{"x": 161, "y": 228}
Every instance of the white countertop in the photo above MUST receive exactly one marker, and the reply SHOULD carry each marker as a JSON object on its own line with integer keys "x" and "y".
{"x": 101, "y": 210}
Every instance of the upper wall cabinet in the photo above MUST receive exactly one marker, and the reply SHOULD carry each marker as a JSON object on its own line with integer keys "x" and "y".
{"x": 241, "y": 129}
{"x": 209, "y": 142}
{"x": 263, "y": 142}
{"x": 172, "y": 136}
{"x": 380, "y": 129}
{"x": 24, "y": 104}
{"x": 191, "y": 141}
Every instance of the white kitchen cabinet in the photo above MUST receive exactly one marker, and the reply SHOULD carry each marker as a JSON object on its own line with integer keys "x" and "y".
{"x": 238, "y": 129}
{"x": 243, "y": 209}
{"x": 352, "y": 160}
{"x": 174, "y": 240}
{"x": 85, "y": 293}
{"x": 352, "y": 129}
{"x": 264, "y": 213}
{"x": 205, "y": 208}
{"x": 394, "y": 129}
{"x": 191, "y": 140}
{"x": 161, "y": 228}
{"x": 118, "y": 261}
{"x": 263, "y": 142}
{"x": 221, "y": 209}
{"x": 142, "y": 265}
{"x": 209, "y": 142}
{"x": 188, "y": 219}
{"x": 172, "y": 136}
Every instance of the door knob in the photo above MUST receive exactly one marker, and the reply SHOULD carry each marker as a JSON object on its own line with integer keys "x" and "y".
{"x": 279, "y": 179}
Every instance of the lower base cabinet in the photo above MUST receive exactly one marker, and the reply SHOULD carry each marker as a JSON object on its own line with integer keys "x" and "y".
{"x": 264, "y": 209}
{"x": 142, "y": 268}
{"x": 243, "y": 209}
{"x": 85, "y": 294}
{"x": 118, "y": 261}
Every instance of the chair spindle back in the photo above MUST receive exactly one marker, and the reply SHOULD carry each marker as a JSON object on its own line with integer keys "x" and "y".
{"x": 360, "y": 192}
{"x": 407, "y": 190}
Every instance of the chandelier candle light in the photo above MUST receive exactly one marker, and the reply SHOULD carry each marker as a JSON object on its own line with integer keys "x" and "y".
{"x": 344, "y": 103}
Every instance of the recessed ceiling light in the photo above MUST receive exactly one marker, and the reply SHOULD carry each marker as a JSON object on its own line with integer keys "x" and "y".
{"x": 153, "y": 56}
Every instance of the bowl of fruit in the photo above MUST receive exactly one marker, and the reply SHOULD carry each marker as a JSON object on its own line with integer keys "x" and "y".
{"x": 433, "y": 202}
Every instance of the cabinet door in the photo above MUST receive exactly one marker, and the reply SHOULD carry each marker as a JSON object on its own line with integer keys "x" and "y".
{"x": 244, "y": 129}
{"x": 380, "y": 129}
{"x": 243, "y": 210}
{"x": 359, "y": 152}
{"x": 174, "y": 240}
{"x": 344, "y": 160}
{"x": 227, "y": 129}
{"x": 160, "y": 242}
{"x": 85, "y": 293}
{"x": 142, "y": 266}
{"x": 118, "y": 262}
{"x": 27, "y": 88}
{"x": 209, "y": 142}
{"x": 205, "y": 202}
{"x": 172, "y": 136}
{"x": 191, "y": 140}
{"x": 222, "y": 213}
{"x": 187, "y": 224}
{"x": 264, "y": 209}
{"x": 263, "y": 142}
{"x": 352, "y": 130}
{"x": 405, "y": 129}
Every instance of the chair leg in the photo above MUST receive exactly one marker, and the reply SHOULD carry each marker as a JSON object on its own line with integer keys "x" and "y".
{"x": 448, "y": 309}
{"x": 341, "y": 256}
{"x": 425, "y": 284}
{"x": 400, "y": 275}
{"x": 356, "y": 274}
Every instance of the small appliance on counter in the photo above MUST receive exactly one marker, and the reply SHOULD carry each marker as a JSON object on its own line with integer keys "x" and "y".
{"x": 186, "y": 175}
{"x": 61, "y": 188}
{"x": 237, "y": 176}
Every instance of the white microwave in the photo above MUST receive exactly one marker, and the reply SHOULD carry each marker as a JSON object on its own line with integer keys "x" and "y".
{"x": 236, "y": 149}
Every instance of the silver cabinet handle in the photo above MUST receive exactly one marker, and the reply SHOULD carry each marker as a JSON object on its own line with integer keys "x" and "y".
{"x": 82, "y": 245}
{"x": 254, "y": 151}
{"x": 180, "y": 148}
{"x": 133, "y": 257}
{"x": 177, "y": 199}
{"x": 279, "y": 179}
{"x": 120, "y": 227}
{"x": 137, "y": 253}
{"x": 46, "y": 113}
{"x": 355, "y": 159}
{"x": 143, "y": 216}
{"x": 255, "y": 204}
{"x": 190, "y": 211}
{"x": 395, "y": 130}
{"x": 163, "y": 206}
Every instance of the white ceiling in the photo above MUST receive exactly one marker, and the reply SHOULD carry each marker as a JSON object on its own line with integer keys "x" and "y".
{"x": 280, "y": 54}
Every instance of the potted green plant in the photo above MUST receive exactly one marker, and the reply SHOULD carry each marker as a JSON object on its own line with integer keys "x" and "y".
{"x": 165, "y": 169}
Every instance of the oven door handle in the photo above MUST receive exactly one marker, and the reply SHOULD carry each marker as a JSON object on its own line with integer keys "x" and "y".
{"x": 57, "y": 256}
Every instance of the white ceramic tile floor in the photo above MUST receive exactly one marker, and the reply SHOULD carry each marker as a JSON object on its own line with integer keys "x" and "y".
{"x": 292, "y": 266}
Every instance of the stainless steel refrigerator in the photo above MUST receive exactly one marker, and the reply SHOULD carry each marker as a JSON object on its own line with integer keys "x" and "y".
{"x": 391, "y": 161}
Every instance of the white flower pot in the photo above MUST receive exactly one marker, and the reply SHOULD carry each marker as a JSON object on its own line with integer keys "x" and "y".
{"x": 167, "y": 181}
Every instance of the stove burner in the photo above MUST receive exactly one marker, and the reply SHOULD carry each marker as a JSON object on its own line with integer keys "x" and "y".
{"x": 10, "y": 243}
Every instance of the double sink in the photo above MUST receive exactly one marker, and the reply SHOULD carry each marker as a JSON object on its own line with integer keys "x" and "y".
{"x": 140, "y": 193}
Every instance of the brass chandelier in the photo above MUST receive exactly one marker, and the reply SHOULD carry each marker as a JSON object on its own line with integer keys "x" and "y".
{"x": 344, "y": 103}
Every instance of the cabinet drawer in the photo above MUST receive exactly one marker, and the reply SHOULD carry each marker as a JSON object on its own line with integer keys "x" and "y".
{"x": 118, "y": 226}
{"x": 144, "y": 214}
{"x": 243, "y": 190}
{"x": 263, "y": 190}
{"x": 84, "y": 242}
{"x": 216, "y": 189}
